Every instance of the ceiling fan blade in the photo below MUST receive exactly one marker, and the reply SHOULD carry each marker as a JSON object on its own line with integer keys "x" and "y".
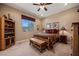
{"x": 47, "y": 3}
{"x": 35, "y": 4}
{"x": 41, "y": 3}
{"x": 38, "y": 9}
{"x": 45, "y": 8}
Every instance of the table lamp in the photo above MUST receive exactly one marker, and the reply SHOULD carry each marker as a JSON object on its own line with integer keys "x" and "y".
{"x": 63, "y": 29}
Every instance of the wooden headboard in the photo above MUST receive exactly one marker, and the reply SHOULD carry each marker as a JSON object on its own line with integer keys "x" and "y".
{"x": 50, "y": 31}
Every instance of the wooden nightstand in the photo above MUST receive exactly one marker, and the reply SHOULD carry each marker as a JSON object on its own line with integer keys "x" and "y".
{"x": 63, "y": 39}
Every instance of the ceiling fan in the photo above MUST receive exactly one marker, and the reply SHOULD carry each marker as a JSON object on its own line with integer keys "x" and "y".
{"x": 42, "y": 6}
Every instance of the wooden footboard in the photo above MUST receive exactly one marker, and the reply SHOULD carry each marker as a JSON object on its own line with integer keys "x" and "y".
{"x": 50, "y": 39}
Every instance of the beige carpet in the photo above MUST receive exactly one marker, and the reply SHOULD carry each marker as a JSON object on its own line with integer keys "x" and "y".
{"x": 24, "y": 49}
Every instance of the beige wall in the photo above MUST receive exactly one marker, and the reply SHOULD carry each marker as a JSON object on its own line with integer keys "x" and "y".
{"x": 16, "y": 15}
{"x": 64, "y": 18}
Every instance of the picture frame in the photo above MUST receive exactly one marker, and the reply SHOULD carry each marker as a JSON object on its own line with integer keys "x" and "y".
{"x": 53, "y": 25}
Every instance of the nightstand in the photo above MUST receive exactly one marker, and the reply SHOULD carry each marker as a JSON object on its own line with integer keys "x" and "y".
{"x": 63, "y": 39}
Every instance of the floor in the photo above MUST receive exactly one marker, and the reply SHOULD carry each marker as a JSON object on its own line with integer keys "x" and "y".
{"x": 24, "y": 49}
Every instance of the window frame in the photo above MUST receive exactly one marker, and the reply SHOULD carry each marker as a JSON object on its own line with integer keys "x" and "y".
{"x": 30, "y": 20}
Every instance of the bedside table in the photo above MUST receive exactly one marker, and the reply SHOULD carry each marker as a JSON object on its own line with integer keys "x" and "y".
{"x": 63, "y": 39}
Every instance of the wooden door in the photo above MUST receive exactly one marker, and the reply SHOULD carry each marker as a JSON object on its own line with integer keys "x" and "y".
{"x": 75, "y": 41}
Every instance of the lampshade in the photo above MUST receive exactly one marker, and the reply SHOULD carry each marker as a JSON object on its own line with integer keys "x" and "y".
{"x": 63, "y": 28}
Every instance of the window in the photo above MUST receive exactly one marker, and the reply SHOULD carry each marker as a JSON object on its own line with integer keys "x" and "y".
{"x": 27, "y": 25}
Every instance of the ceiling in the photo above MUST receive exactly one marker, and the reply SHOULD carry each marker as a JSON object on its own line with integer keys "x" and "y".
{"x": 52, "y": 9}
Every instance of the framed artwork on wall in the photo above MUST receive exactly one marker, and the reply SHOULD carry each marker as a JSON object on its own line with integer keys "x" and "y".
{"x": 53, "y": 25}
{"x": 48, "y": 26}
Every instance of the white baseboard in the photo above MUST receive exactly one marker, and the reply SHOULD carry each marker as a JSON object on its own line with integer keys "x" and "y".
{"x": 21, "y": 41}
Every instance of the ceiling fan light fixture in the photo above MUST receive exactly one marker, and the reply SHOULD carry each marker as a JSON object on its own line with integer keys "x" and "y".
{"x": 41, "y": 14}
{"x": 42, "y": 7}
{"x": 65, "y": 4}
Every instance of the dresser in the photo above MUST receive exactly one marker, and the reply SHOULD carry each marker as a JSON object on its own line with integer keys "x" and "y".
{"x": 63, "y": 39}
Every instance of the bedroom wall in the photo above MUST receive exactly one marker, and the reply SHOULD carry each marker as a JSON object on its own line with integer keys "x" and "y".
{"x": 65, "y": 19}
{"x": 16, "y": 16}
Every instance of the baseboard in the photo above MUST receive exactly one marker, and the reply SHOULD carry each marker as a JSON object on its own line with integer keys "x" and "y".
{"x": 21, "y": 41}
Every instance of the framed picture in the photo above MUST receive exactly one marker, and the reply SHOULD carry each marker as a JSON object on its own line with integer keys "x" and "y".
{"x": 53, "y": 25}
{"x": 48, "y": 26}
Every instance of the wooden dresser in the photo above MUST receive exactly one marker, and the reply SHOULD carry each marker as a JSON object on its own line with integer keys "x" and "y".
{"x": 63, "y": 39}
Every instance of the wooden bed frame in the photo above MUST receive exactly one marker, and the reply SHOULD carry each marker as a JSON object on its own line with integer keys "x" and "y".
{"x": 51, "y": 36}
{"x": 51, "y": 39}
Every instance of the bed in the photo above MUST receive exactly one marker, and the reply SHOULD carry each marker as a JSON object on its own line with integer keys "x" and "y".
{"x": 50, "y": 36}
